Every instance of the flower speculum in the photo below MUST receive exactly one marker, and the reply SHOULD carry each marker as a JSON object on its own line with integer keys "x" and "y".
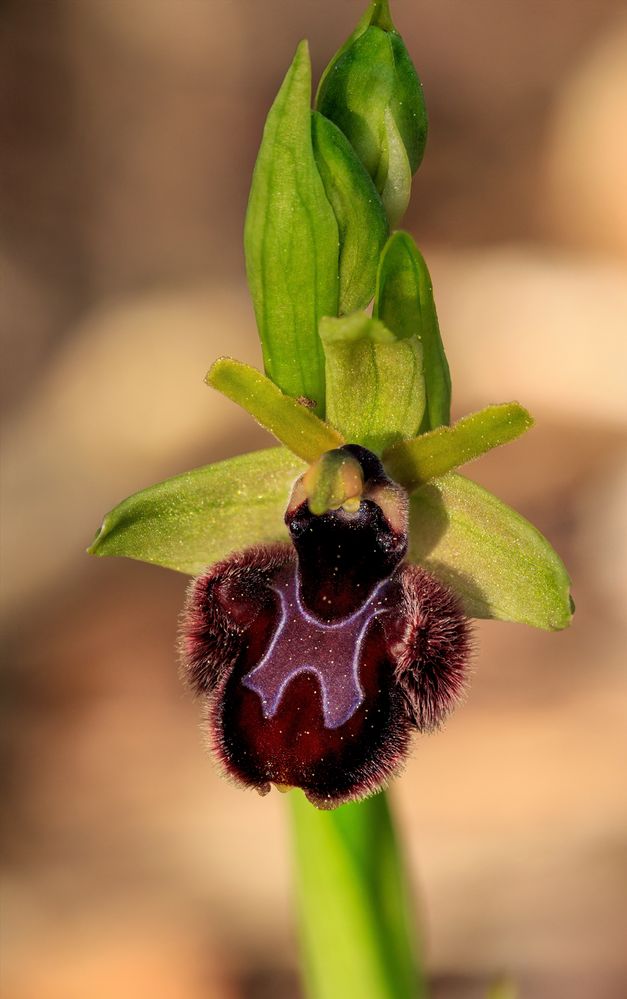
{"x": 320, "y": 657}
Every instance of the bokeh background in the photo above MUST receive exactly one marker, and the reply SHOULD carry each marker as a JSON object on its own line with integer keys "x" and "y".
{"x": 129, "y": 132}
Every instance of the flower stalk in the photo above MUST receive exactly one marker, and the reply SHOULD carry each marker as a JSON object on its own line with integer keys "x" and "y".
{"x": 355, "y": 911}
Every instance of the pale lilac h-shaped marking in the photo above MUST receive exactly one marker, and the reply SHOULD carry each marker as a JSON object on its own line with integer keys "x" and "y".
{"x": 304, "y": 644}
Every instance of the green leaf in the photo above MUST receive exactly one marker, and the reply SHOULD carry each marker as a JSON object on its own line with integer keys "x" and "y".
{"x": 404, "y": 302}
{"x": 353, "y": 903}
{"x": 291, "y": 242}
{"x": 291, "y": 423}
{"x": 412, "y": 463}
{"x": 199, "y": 517}
{"x": 375, "y": 389}
{"x": 498, "y": 563}
{"x": 359, "y": 212}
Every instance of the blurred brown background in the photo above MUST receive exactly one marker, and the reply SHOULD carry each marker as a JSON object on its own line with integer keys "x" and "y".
{"x": 129, "y": 131}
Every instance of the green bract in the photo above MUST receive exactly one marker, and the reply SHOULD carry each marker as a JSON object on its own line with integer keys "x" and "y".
{"x": 291, "y": 241}
{"x": 371, "y": 91}
{"x": 359, "y": 211}
{"x": 404, "y": 302}
{"x": 375, "y": 389}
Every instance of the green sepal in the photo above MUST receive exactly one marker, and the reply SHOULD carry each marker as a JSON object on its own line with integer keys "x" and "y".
{"x": 414, "y": 462}
{"x": 352, "y": 899}
{"x": 404, "y": 302}
{"x": 372, "y": 92}
{"x": 291, "y": 422}
{"x": 291, "y": 242}
{"x": 199, "y": 517}
{"x": 496, "y": 561}
{"x": 359, "y": 212}
{"x": 375, "y": 389}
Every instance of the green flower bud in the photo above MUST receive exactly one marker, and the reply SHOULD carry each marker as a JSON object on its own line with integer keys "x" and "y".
{"x": 371, "y": 91}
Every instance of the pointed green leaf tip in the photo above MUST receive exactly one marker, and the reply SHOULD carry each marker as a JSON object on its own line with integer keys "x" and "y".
{"x": 291, "y": 242}
{"x": 412, "y": 463}
{"x": 500, "y": 565}
{"x": 375, "y": 389}
{"x": 293, "y": 424}
{"x": 404, "y": 302}
{"x": 199, "y": 517}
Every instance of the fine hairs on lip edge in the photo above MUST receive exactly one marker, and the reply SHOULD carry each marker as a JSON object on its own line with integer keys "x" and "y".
{"x": 316, "y": 676}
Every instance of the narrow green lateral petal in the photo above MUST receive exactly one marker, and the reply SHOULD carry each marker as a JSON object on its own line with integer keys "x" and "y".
{"x": 194, "y": 519}
{"x": 375, "y": 389}
{"x": 500, "y": 565}
{"x": 292, "y": 423}
{"x": 291, "y": 242}
{"x": 412, "y": 463}
{"x": 352, "y": 900}
{"x": 359, "y": 212}
{"x": 404, "y": 302}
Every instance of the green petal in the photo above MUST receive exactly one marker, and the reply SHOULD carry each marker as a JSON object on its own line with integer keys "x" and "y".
{"x": 196, "y": 518}
{"x": 291, "y": 423}
{"x": 291, "y": 242}
{"x": 404, "y": 302}
{"x": 359, "y": 211}
{"x": 498, "y": 563}
{"x": 375, "y": 390}
{"x": 412, "y": 463}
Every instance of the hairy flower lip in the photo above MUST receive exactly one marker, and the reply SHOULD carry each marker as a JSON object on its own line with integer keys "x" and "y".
{"x": 316, "y": 660}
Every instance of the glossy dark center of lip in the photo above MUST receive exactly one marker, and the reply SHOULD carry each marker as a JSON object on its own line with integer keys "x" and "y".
{"x": 342, "y": 558}
{"x": 303, "y": 643}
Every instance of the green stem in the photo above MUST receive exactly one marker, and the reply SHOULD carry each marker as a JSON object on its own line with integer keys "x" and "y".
{"x": 354, "y": 912}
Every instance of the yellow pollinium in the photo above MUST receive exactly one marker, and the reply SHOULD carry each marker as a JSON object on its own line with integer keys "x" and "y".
{"x": 335, "y": 480}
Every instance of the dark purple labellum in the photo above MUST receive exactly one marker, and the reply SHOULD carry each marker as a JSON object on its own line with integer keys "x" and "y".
{"x": 317, "y": 660}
